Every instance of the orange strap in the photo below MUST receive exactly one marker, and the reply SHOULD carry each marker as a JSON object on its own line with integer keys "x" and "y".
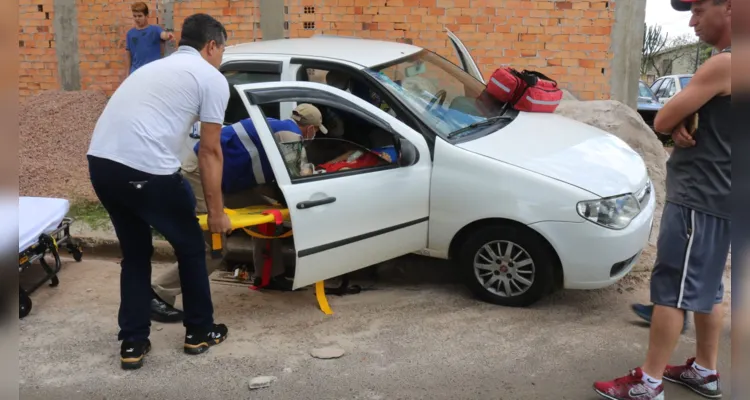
{"x": 268, "y": 229}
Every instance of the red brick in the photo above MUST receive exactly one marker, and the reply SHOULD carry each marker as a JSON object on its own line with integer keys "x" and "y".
{"x": 567, "y": 39}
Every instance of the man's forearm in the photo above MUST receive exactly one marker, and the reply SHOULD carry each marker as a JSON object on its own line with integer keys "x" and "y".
{"x": 211, "y": 164}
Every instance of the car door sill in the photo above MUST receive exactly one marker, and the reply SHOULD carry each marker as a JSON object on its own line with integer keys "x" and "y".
{"x": 344, "y": 242}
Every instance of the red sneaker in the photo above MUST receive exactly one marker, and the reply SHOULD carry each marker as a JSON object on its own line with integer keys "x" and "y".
{"x": 687, "y": 376}
{"x": 630, "y": 387}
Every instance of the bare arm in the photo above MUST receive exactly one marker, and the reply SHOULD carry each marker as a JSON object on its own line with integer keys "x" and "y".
{"x": 211, "y": 165}
{"x": 712, "y": 79}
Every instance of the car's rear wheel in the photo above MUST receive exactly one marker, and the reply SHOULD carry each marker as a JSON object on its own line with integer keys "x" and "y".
{"x": 507, "y": 265}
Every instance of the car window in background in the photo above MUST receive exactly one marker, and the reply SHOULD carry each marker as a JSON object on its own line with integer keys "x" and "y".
{"x": 655, "y": 86}
{"x": 644, "y": 91}
{"x": 670, "y": 89}
{"x": 684, "y": 81}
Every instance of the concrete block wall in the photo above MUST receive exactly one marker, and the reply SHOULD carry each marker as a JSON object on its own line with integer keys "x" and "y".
{"x": 569, "y": 40}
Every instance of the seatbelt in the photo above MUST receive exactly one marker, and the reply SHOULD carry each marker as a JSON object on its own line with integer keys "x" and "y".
{"x": 268, "y": 230}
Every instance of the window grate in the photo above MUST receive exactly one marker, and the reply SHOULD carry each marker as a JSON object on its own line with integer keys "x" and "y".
{"x": 310, "y": 10}
{"x": 309, "y": 25}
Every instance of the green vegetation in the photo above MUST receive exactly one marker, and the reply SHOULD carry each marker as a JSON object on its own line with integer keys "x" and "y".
{"x": 93, "y": 214}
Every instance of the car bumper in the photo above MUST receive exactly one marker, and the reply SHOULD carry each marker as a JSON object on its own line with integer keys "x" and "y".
{"x": 594, "y": 257}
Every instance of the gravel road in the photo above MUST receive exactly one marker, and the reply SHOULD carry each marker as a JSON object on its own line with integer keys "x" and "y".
{"x": 406, "y": 340}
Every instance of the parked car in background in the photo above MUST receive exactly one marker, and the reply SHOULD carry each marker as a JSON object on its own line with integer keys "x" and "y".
{"x": 668, "y": 86}
{"x": 648, "y": 106}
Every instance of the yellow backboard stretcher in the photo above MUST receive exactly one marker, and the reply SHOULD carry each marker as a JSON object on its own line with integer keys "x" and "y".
{"x": 245, "y": 218}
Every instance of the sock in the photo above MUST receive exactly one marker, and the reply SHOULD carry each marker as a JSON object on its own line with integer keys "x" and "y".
{"x": 650, "y": 382}
{"x": 703, "y": 372}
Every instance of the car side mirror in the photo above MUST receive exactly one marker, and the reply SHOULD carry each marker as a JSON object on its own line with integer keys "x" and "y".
{"x": 409, "y": 153}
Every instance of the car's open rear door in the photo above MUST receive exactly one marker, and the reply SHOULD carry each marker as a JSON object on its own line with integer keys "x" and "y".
{"x": 467, "y": 62}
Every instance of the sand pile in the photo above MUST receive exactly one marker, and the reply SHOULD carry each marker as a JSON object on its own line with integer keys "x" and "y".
{"x": 55, "y": 130}
{"x": 624, "y": 122}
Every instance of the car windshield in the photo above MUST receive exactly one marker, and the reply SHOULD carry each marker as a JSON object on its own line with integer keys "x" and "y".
{"x": 684, "y": 80}
{"x": 443, "y": 95}
{"x": 644, "y": 91}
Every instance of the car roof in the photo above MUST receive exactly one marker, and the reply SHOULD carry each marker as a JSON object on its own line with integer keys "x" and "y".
{"x": 677, "y": 76}
{"x": 364, "y": 52}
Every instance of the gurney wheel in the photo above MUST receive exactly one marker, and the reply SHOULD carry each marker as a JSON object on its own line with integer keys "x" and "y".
{"x": 24, "y": 303}
{"x": 78, "y": 254}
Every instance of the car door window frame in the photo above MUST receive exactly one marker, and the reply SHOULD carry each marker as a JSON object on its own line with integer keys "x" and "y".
{"x": 464, "y": 55}
{"x": 271, "y": 68}
{"x": 259, "y": 97}
{"x": 672, "y": 89}
{"x": 667, "y": 87}
{"x": 656, "y": 86}
{"x": 403, "y": 113}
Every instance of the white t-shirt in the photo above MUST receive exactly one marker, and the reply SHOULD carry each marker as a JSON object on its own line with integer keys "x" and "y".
{"x": 147, "y": 120}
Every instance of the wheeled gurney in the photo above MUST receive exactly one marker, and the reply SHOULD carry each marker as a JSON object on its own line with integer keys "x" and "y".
{"x": 42, "y": 228}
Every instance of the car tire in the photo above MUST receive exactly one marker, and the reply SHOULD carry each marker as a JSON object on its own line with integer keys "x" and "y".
{"x": 526, "y": 245}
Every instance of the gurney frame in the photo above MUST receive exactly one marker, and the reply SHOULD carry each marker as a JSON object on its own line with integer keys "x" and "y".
{"x": 48, "y": 243}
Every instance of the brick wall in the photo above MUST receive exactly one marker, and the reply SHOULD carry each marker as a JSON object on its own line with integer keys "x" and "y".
{"x": 37, "y": 60}
{"x": 568, "y": 40}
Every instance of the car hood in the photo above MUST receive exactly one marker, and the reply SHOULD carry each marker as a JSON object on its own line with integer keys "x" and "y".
{"x": 567, "y": 150}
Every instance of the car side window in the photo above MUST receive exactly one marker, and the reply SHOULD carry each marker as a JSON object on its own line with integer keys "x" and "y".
{"x": 655, "y": 86}
{"x": 662, "y": 92}
{"x": 672, "y": 90}
{"x": 236, "y": 110}
{"x": 371, "y": 148}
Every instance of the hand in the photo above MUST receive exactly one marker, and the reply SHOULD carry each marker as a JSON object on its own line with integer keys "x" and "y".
{"x": 681, "y": 137}
{"x": 170, "y": 36}
{"x": 219, "y": 223}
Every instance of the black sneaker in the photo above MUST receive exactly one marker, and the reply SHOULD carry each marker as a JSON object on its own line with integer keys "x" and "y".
{"x": 199, "y": 342}
{"x": 133, "y": 353}
{"x": 162, "y": 311}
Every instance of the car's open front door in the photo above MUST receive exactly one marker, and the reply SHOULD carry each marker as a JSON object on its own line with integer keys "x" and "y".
{"x": 467, "y": 62}
{"x": 348, "y": 220}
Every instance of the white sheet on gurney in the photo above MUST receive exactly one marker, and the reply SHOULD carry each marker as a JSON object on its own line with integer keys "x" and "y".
{"x": 38, "y": 215}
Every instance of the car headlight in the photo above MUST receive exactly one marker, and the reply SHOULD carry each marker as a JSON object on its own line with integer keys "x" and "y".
{"x": 613, "y": 212}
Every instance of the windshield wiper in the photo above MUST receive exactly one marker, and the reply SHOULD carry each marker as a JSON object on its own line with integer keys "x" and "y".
{"x": 486, "y": 122}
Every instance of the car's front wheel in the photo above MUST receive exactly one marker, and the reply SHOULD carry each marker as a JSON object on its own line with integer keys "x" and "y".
{"x": 507, "y": 265}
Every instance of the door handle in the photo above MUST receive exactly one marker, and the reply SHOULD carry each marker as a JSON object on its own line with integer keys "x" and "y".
{"x": 304, "y": 205}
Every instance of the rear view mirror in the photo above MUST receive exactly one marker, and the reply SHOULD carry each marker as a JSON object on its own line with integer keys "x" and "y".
{"x": 409, "y": 153}
{"x": 415, "y": 70}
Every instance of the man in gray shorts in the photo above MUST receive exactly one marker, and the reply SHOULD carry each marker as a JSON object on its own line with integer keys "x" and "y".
{"x": 695, "y": 233}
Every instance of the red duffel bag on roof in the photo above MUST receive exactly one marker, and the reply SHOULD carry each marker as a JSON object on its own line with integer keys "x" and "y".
{"x": 529, "y": 91}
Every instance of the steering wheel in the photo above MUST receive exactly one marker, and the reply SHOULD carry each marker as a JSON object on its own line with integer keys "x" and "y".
{"x": 440, "y": 95}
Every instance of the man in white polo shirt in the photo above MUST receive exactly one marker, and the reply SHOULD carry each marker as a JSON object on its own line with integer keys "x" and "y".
{"x": 134, "y": 163}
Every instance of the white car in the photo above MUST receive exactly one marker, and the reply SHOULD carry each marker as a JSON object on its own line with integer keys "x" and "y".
{"x": 667, "y": 87}
{"x": 523, "y": 203}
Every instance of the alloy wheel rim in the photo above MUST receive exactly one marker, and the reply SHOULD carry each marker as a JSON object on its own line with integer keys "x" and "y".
{"x": 504, "y": 268}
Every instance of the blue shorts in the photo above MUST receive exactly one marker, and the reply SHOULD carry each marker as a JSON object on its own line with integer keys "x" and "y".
{"x": 692, "y": 252}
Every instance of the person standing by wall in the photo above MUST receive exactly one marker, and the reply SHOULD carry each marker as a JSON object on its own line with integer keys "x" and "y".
{"x": 695, "y": 233}
{"x": 144, "y": 42}
{"x": 134, "y": 165}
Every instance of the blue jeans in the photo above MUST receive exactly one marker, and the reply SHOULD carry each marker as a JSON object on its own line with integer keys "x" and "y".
{"x": 137, "y": 201}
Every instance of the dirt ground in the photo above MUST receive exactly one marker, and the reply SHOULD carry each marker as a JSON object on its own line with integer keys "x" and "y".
{"x": 417, "y": 336}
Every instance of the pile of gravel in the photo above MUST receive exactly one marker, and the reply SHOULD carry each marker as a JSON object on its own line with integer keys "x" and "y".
{"x": 55, "y": 130}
